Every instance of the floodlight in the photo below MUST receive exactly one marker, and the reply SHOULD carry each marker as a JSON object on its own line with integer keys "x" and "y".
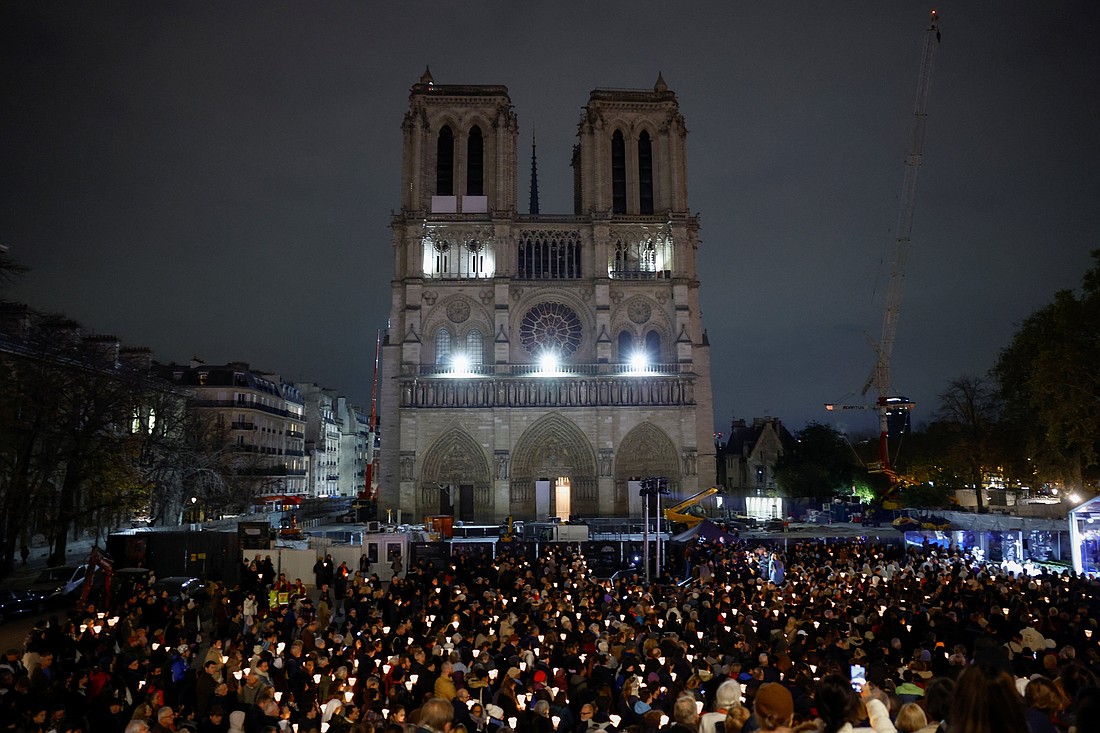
{"x": 639, "y": 361}
{"x": 460, "y": 364}
{"x": 548, "y": 362}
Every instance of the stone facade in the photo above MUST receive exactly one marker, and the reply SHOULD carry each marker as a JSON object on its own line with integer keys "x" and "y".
{"x": 529, "y": 351}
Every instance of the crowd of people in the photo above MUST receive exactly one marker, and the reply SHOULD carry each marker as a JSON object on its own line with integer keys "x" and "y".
{"x": 829, "y": 636}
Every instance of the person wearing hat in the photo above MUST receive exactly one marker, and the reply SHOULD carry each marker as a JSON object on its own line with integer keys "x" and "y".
{"x": 181, "y": 660}
{"x": 774, "y": 707}
{"x": 108, "y": 714}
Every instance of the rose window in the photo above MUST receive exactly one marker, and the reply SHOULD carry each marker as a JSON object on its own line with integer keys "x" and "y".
{"x": 550, "y": 327}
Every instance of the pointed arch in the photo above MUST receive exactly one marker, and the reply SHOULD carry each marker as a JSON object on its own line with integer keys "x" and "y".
{"x": 653, "y": 346}
{"x": 645, "y": 173}
{"x": 442, "y": 346}
{"x": 618, "y": 172}
{"x": 626, "y": 346}
{"x": 475, "y": 347}
{"x": 554, "y": 446}
{"x": 457, "y": 460}
{"x": 645, "y": 451}
{"x": 445, "y": 162}
{"x": 475, "y": 163}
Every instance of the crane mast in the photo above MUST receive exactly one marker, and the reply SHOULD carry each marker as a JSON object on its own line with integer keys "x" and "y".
{"x": 880, "y": 377}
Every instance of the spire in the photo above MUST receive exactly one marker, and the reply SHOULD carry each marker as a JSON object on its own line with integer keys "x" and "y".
{"x": 534, "y": 210}
{"x": 660, "y": 86}
{"x": 426, "y": 77}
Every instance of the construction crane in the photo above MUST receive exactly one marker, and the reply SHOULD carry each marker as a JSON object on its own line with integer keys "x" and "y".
{"x": 880, "y": 375}
{"x": 688, "y": 512}
{"x": 366, "y": 503}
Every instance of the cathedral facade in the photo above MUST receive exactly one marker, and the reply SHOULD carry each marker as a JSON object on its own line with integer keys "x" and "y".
{"x": 536, "y": 365}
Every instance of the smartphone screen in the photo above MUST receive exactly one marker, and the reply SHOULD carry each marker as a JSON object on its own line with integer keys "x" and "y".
{"x": 859, "y": 677}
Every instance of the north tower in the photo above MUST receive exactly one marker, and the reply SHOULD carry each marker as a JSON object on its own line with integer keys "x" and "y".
{"x": 535, "y": 364}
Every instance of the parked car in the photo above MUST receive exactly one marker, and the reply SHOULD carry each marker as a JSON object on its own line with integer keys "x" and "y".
{"x": 180, "y": 587}
{"x": 61, "y": 584}
{"x": 15, "y": 602}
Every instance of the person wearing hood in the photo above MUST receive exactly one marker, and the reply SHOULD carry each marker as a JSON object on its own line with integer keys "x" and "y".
{"x": 236, "y": 722}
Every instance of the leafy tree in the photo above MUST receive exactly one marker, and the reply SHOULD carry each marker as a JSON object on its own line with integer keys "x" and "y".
{"x": 819, "y": 464}
{"x": 926, "y": 496}
{"x": 1050, "y": 383}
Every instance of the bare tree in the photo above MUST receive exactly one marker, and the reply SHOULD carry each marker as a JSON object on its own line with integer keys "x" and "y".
{"x": 969, "y": 412}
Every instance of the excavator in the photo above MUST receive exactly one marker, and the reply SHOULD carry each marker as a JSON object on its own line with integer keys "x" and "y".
{"x": 688, "y": 512}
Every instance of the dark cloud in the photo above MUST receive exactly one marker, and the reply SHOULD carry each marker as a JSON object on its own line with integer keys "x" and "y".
{"x": 216, "y": 179}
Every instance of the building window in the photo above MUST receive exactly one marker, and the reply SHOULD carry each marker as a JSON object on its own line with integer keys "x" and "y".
{"x": 475, "y": 347}
{"x": 618, "y": 173}
{"x": 653, "y": 347}
{"x": 626, "y": 346}
{"x": 641, "y": 255}
{"x": 442, "y": 346}
{"x": 546, "y": 255}
{"x": 458, "y": 253}
{"x": 550, "y": 327}
{"x": 445, "y": 163}
{"x": 645, "y": 173}
{"x": 475, "y": 163}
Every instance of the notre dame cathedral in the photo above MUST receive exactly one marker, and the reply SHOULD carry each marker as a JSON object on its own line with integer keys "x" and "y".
{"x": 536, "y": 364}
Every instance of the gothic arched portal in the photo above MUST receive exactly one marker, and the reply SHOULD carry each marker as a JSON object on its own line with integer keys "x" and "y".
{"x": 554, "y": 447}
{"x": 645, "y": 451}
{"x": 456, "y": 460}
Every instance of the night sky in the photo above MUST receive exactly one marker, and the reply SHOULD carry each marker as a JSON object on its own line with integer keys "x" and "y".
{"x": 216, "y": 179}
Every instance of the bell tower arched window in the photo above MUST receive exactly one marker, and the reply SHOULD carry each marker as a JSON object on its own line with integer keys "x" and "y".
{"x": 618, "y": 173}
{"x": 645, "y": 173}
{"x": 475, "y": 163}
{"x": 442, "y": 346}
{"x": 445, "y": 163}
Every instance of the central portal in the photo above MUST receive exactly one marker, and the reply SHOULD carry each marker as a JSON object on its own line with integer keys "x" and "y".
{"x": 562, "y": 498}
{"x": 553, "y": 472}
{"x": 554, "y": 498}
